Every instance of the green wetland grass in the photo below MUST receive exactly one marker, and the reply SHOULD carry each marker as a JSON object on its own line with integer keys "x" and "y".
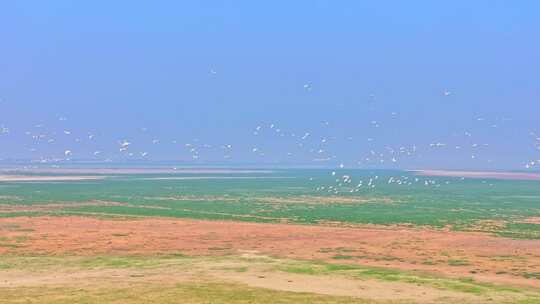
{"x": 291, "y": 196}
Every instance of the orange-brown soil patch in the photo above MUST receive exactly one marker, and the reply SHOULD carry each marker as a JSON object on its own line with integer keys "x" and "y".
{"x": 532, "y": 220}
{"x": 456, "y": 254}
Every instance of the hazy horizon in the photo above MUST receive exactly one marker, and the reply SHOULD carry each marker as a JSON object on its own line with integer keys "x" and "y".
{"x": 371, "y": 84}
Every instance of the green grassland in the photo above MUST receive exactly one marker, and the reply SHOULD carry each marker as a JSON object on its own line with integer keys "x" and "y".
{"x": 139, "y": 279}
{"x": 291, "y": 196}
{"x": 194, "y": 293}
{"x": 499, "y": 207}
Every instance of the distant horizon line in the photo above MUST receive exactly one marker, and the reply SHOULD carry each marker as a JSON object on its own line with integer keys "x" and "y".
{"x": 185, "y": 164}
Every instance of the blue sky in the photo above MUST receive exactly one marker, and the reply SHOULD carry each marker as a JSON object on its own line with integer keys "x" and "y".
{"x": 367, "y": 76}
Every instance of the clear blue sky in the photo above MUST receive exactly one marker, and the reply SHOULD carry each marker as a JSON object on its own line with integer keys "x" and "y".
{"x": 210, "y": 72}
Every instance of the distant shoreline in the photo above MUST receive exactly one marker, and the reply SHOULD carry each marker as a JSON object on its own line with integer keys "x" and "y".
{"x": 479, "y": 174}
{"x": 113, "y": 171}
{"x": 37, "y": 178}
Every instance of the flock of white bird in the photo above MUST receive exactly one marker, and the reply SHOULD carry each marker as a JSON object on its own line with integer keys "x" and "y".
{"x": 306, "y": 144}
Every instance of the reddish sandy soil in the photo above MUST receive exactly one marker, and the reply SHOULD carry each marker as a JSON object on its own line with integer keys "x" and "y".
{"x": 456, "y": 254}
{"x": 480, "y": 174}
{"x": 532, "y": 220}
